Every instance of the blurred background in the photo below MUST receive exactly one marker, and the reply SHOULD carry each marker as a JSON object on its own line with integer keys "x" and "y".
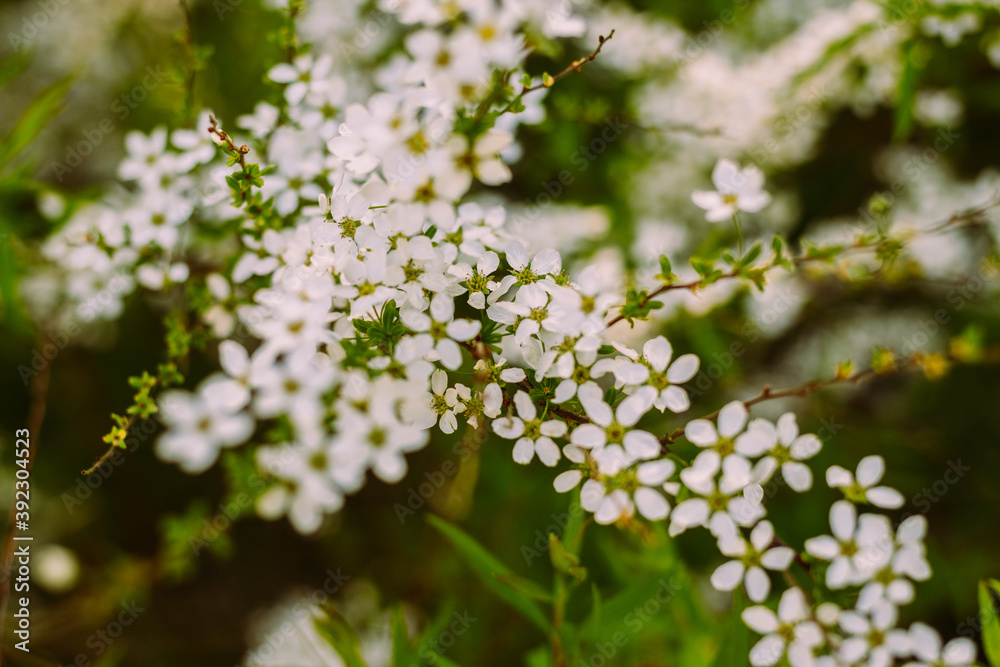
{"x": 835, "y": 101}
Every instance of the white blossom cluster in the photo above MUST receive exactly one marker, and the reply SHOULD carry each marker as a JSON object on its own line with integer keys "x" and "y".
{"x": 341, "y": 331}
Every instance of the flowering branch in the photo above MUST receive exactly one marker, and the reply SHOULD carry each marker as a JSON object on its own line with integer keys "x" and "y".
{"x": 548, "y": 81}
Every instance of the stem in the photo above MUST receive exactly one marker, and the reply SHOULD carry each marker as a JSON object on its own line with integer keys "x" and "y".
{"x": 971, "y": 216}
{"x": 739, "y": 232}
{"x": 574, "y": 66}
{"x": 907, "y": 363}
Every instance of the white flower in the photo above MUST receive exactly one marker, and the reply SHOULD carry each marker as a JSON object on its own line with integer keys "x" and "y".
{"x": 303, "y": 76}
{"x": 445, "y": 401}
{"x": 858, "y": 548}
{"x": 308, "y": 491}
{"x": 614, "y": 426}
{"x": 202, "y": 423}
{"x": 925, "y": 644}
{"x": 702, "y": 432}
{"x": 533, "y": 435}
{"x": 718, "y": 503}
{"x": 533, "y": 274}
{"x": 784, "y": 447}
{"x": 751, "y": 558}
{"x": 482, "y": 290}
{"x": 653, "y": 368}
{"x": 871, "y": 639}
{"x": 862, "y": 488}
{"x": 438, "y": 331}
{"x": 735, "y": 190}
{"x": 790, "y": 632}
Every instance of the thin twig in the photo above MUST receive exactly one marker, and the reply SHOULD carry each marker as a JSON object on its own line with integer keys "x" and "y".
{"x": 575, "y": 66}
{"x": 971, "y": 215}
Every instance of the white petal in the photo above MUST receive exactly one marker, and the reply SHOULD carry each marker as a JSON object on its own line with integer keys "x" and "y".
{"x": 683, "y": 369}
{"x": 824, "y": 547}
{"x": 548, "y": 451}
{"x": 885, "y": 497}
{"x": 760, "y": 619}
{"x": 525, "y": 408}
{"x": 658, "y": 353}
{"x": 675, "y": 399}
{"x": 959, "y": 651}
{"x": 843, "y": 519}
{"x": 805, "y": 446}
{"x": 553, "y": 428}
{"x": 870, "y": 470}
{"x": 655, "y": 473}
{"x": 591, "y": 396}
{"x": 691, "y": 512}
{"x": 727, "y": 576}
{"x": 792, "y": 606}
{"x": 732, "y": 418}
{"x": 778, "y": 558}
{"x": 701, "y": 432}
{"x": 565, "y": 390}
{"x": 762, "y": 535}
{"x": 524, "y": 451}
{"x": 567, "y": 481}
{"x": 651, "y": 504}
{"x": 838, "y": 478}
{"x": 758, "y": 584}
{"x": 641, "y": 444}
{"x": 587, "y": 436}
{"x": 788, "y": 429}
{"x": 767, "y": 651}
{"x": 798, "y": 476}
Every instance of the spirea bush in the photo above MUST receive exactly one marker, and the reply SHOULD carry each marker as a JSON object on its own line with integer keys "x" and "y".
{"x": 347, "y": 260}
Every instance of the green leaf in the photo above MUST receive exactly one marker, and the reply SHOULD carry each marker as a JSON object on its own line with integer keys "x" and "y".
{"x": 734, "y": 644}
{"x": 335, "y": 629}
{"x": 402, "y": 652}
{"x": 525, "y": 586}
{"x": 40, "y": 112}
{"x": 486, "y": 566}
{"x": 906, "y": 93}
{"x": 989, "y": 612}
{"x": 564, "y": 560}
{"x": 751, "y": 256}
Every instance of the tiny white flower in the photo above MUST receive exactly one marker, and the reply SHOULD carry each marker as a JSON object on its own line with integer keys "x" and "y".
{"x": 750, "y": 559}
{"x": 858, "y": 549}
{"x": 862, "y": 487}
{"x": 533, "y": 435}
{"x": 872, "y": 640}
{"x": 614, "y": 426}
{"x": 784, "y": 447}
{"x": 735, "y": 190}
{"x": 789, "y": 632}
{"x": 925, "y": 643}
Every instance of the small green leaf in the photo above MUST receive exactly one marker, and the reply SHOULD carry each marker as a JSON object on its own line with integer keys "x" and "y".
{"x": 335, "y": 629}
{"x": 40, "y": 112}
{"x": 564, "y": 560}
{"x": 989, "y": 612}
{"x": 751, "y": 256}
{"x": 525, "y": 586}
{"x": 487, "y": 566}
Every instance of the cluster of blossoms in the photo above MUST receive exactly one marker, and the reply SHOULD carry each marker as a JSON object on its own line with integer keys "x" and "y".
{"x": 357, "y": 276}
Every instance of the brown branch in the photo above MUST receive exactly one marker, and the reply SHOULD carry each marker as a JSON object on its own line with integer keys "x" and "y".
{"x": 972, "y": 215}
{"x": 915, "y": 360}
{"x": 39, "y": 392}
{"x": 575, "y": 66}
